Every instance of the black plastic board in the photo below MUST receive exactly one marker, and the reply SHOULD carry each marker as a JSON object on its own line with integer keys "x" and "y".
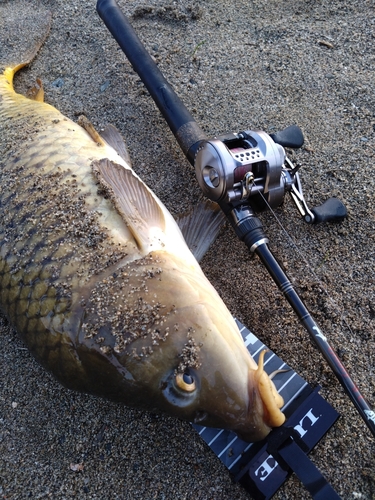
{"x": 306, "y": 411}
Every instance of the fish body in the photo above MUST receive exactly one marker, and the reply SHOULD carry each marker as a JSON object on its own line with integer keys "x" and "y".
{"x": 98, "y": 281}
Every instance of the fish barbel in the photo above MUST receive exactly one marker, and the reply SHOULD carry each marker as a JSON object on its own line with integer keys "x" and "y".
{"x": 96, "y": 277}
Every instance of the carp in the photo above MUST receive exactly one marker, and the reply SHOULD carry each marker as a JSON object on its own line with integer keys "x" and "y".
{"x": 95, "y": 275}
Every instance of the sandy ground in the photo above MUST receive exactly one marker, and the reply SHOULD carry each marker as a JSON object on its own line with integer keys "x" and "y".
{"x": 236, "y": 65}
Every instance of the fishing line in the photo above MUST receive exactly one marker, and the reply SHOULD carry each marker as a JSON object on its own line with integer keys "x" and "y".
{"x": 308, "y": 265}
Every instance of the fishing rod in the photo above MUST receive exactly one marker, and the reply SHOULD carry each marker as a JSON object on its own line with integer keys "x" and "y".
{"x": 245, "y": 173}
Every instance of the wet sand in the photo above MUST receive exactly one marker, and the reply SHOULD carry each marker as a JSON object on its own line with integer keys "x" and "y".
{"x": 246, "y": 65}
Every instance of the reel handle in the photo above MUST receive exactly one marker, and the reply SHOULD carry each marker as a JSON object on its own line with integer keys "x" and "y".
{"x": 332, "y": 210}
{"x": 289, "y": 137}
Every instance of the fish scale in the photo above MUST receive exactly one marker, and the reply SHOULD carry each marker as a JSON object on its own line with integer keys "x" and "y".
{"x": 49, "y": 175}
{"x": 97, "y": 279}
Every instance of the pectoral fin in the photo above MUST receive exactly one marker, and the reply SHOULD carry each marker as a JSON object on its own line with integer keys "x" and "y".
{"x": 113, "y": 137}
{"x": 200, "y": 227}
{"x": 135, "y": 203}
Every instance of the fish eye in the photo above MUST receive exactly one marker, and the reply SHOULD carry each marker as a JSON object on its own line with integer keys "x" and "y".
{"x": 185, "y": 381}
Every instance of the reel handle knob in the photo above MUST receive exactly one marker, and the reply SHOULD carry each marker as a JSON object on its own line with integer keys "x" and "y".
{"x": 290, "y": 137}
{"x": 332, "y": 210}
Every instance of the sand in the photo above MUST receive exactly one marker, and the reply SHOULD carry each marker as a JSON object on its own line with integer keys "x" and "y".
{"x": 240, "y": 65}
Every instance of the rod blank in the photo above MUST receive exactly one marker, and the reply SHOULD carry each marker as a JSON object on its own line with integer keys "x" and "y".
{"x": 180, "y": 121}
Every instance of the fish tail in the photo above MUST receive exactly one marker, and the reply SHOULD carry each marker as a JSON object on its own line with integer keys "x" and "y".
{"x": 23, "y": 30}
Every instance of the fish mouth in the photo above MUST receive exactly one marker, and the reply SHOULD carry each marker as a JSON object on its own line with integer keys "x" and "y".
{"x": 264, "y": 408}
{"x": 259, "y": 415}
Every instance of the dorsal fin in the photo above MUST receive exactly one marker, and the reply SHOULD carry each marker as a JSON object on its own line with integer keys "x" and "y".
{"x": 113, "y": 137}
{"x": 135, "y": 203}
{"x": 25, "y": 28}
{"x": 85, "y": 123}
{"x": 200, "y": 227}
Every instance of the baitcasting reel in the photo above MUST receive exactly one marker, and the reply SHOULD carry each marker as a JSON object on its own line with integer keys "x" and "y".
{"x": 251, "y": 167}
